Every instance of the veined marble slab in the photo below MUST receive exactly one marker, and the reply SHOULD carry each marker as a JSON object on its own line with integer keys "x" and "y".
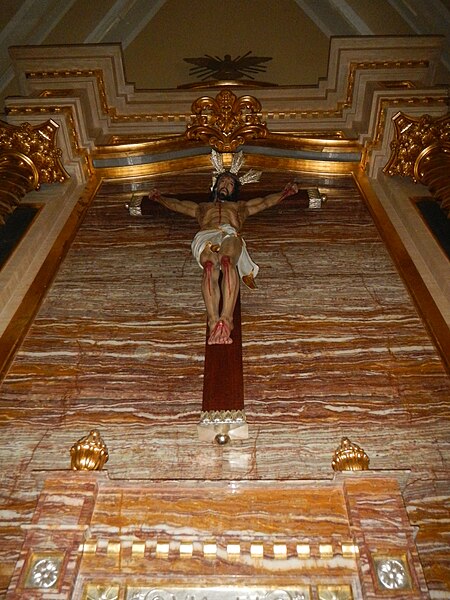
{"x": 333, "y": 347}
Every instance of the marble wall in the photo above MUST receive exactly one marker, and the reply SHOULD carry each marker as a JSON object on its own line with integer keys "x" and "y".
{"x": 332, "y": 347}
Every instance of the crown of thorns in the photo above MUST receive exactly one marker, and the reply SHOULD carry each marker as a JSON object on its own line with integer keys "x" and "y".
{"x": 236, "y": 163}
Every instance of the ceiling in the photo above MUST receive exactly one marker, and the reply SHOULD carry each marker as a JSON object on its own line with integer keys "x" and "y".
{"x": 156, "y": 35}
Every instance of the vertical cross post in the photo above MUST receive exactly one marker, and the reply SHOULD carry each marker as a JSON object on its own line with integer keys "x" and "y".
{"x": 223, "y": 417}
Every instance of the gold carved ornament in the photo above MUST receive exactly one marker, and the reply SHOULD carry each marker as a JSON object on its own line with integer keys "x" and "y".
{"x": 18, "y": 176}
{"x": 226, "y": 121}
{"x": 421, "y": 150}
{"x": 349, "y": 457}
{"x": 28, "y": 157}
{"x": 432, "y": 168}
{"x": 412, "y": 136}
{"x": 37, "y": 143}
{"x": 89, "y": 453}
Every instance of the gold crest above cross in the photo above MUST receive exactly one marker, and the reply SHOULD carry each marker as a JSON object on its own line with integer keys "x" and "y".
{"x": 226, "y": 121}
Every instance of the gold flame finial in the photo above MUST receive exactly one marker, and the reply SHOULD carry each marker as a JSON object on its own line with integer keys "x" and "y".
{"x": 89, "y": 453}
{"x": 350, "y": 457}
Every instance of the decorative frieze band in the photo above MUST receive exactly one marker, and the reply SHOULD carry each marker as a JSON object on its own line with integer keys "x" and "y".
{"x": 219, "y": 549}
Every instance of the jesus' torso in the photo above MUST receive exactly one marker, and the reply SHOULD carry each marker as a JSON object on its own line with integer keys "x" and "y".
{"x": 212, "y": 214}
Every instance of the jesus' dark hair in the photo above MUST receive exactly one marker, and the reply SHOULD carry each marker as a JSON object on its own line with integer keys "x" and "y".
{"x": 237, "y": 185}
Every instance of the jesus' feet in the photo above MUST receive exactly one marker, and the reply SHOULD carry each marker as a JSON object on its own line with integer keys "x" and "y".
{"x": 220, "y": 333}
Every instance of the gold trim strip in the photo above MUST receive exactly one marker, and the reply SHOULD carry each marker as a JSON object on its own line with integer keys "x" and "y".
{"x": 313, "y": 167}
{"x": 257, "y": 548}
{"x": 273, "y": 140}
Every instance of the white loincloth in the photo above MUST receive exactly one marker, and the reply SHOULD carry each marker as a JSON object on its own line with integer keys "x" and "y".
{"x": 245, "y": 264}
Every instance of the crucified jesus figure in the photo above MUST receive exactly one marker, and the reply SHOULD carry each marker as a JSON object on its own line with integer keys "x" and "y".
{"x": 219, "y": 248}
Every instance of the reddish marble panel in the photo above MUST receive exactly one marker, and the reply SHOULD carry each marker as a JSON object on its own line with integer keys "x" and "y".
{"x": 332, "y": 347}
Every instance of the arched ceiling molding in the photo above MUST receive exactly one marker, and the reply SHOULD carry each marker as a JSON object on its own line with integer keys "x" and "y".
{"x": 334, "y": 17}
{"x": 124, "y": 21}
{"x": 31, "y": 24}
{"x": 95, "y": 75}
{"x": 426, "y": 17}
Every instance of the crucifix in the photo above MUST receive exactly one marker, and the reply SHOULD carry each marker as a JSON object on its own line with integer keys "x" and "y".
{"x": 221, "y": 252}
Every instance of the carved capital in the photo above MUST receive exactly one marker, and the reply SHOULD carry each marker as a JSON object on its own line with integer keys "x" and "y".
{"x": 432, "y": 168}
{"x": 412, "y": 137}
{"x": 226, "y": 121}
{"x": 18, "y": 175}
{"x": 28, "y": 157}
{"x": 38, "y": 144}
{"x": 421, "y": 150}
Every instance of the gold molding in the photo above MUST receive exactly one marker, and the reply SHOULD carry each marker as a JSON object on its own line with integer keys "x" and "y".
{"x": 172, "y": 143}
{"x": 314, "y": 167}
{"x": 73, "y": 73}
{"x": 377, "y": 65}
{"x": 337, "y": 111}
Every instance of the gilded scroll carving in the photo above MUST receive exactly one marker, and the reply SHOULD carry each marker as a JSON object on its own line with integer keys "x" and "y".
{"x": 18, "y": 175}
{"x": 421, "y": 150}
{"x": 28, "y": 158}
{"x": 412, "y": 136}
{"x": 38, "y": 143}
{"x": 226, "y": 121}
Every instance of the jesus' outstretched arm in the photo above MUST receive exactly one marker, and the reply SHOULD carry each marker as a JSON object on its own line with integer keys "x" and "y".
{"x": 186, "y": 207}
{"x": 258, "y": 204}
